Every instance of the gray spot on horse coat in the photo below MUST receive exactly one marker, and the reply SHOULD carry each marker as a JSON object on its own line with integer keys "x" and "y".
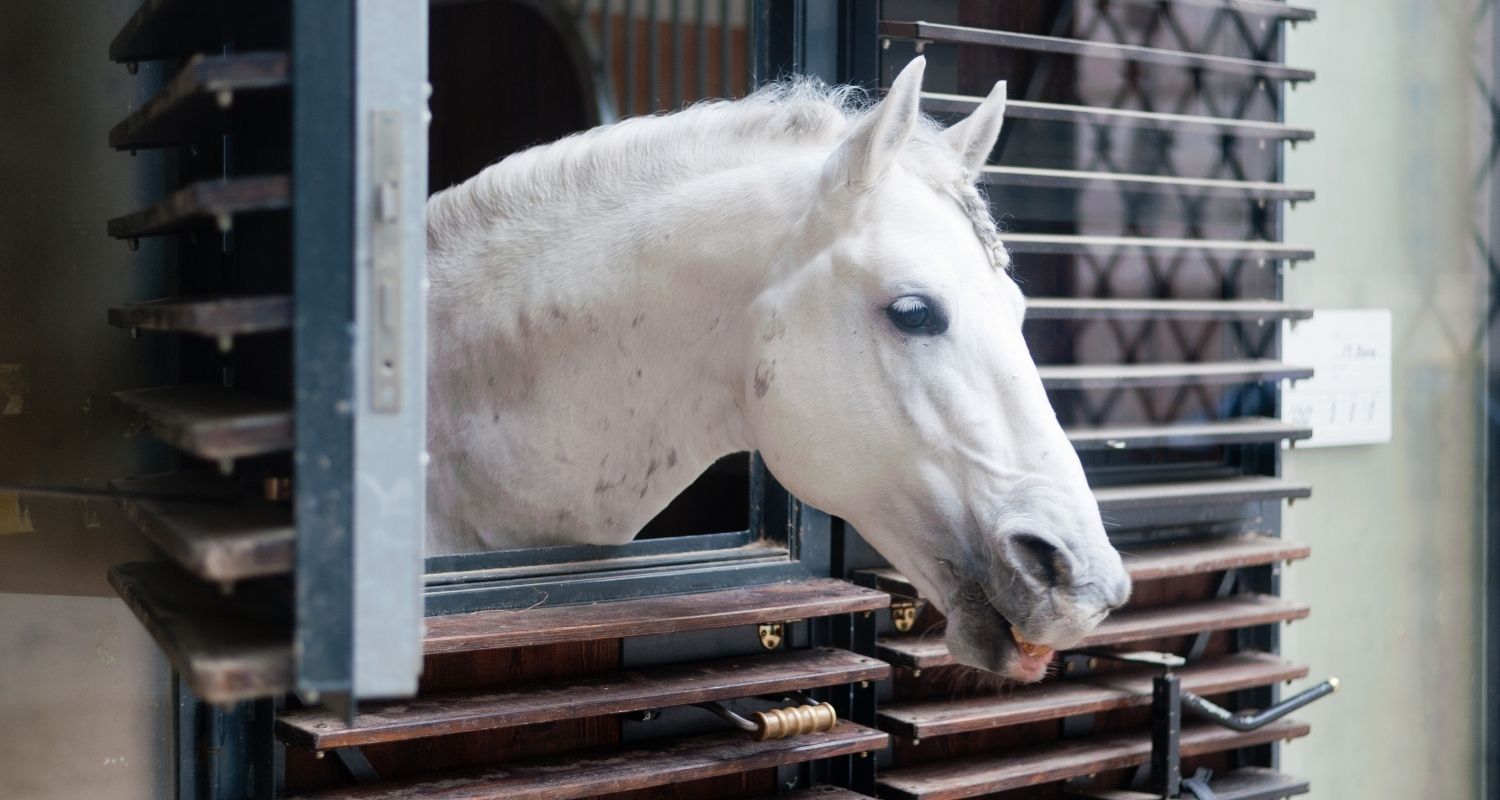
{"x": 558, "y": 314}
{"x": 671, "y": 458}
{"x": 775, "y": 329}
{"x": 765, "y": 374}
{"x": 636, "y": 323}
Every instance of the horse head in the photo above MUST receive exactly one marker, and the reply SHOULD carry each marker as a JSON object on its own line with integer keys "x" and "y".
{"x": 888, "y": 383}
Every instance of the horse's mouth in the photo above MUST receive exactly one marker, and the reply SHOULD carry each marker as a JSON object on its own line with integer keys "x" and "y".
{"x": 1032, "y": 659}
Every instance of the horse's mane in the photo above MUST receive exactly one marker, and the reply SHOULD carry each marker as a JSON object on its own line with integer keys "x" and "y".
{"x": 709, "y": 136}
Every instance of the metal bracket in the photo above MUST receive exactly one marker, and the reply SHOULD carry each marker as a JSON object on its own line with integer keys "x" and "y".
{"x": 771, "y": 634}
{"x": 353, "y": 760}
{"x": 385, "y": 260}
{"x": 904, "y": 613}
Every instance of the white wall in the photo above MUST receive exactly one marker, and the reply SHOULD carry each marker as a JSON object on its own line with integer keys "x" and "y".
{"x": 1394, "y": 580}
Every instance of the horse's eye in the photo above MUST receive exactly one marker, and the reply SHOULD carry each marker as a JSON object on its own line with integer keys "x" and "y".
{"x": 916, "y": 314}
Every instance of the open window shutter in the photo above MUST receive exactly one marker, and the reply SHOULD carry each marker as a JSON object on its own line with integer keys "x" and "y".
{"x": 1138, "y": 180}
{"x": 288, "y": 142}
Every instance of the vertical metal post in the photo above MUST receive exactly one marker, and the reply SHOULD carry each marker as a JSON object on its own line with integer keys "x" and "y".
{"x": 1166, "y": 733}
{"x": 627, "y": 72}
{"x": 389, "y": 480}
{"x": 1490, "y": 725}
{"x": 323, "y": 350}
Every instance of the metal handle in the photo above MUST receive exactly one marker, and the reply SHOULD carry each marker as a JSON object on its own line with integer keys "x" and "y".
{"x": 1249, "y": 722}
{"x": 779, "y": 723}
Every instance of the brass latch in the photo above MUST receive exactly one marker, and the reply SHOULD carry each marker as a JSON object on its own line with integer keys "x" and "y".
{"x": 904, "y": 613}
{"x": 779, "y": 723}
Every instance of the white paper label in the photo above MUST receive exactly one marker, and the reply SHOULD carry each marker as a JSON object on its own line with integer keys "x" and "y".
{"x": 1348, "y": 399}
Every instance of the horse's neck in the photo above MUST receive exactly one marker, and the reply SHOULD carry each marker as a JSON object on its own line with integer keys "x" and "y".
{"x": 586, "y": 361}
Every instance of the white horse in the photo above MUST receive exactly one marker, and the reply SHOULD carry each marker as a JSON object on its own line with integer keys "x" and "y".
{"x": 611, "y": 313}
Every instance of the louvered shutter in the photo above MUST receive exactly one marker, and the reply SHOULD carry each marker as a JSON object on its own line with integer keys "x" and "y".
{"x": 1138, "y": 180}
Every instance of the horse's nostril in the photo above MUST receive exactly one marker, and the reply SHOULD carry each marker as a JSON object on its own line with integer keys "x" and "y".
{"x": 1038, "y": 557}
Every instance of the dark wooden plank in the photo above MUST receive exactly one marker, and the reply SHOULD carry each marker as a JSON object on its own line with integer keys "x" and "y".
{"x": 217, "y": 540}
{"x": 211, "y": 422}
{"x": 1170, "y": 560}
{"x": 1245, "y": 783}
{"x": 1128, "y": 625}
{"x": 1120, "y": 118}
{"x": 1108, "y": 246}
{"x": 1030, "y": 766}
{"x": 1203, "y": 373}
{"x": 1197, "y": 556}
{"x": 161, "y": 28}
{"x": 1174, "y": 185}
{"x": 1244, "y": 489}
{"x": 573, "y": 776}
{"x": 195, "y": 97}
{"x": 1085, "y": 48}
{"x": 216, "y": 317}
{"x": 1238, "y": 430}
{"x": 228, "y": 647}
{"x": 547, "y": 701}
{"x": 671, "y": 614}
{"x": 1129, "y": 688}
{"x": 212, "y": 201}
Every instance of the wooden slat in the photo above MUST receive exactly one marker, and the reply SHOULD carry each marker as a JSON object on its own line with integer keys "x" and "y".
{"x": 1219, "y": 310}
{"x": 1153, "y": 562}
{"x": 1030, "y": 766}
{"x": 216, "y": 540}
{"x": 163, "y": 28}
{"x": 1129, "y": 625}
{"x": 1245, "y": 783}
{"x": 210, "y": 422}
{"x": 548, "y": 701}
{"x": 228, "y": 647}
{"x": 1116, "y": 690}
{"x": 1109, "y": 376}
{"x": 1108, "y": 246}
{"x": 1038, "y": 178}
{"x": 1197, "y": 556}
{"x": 572, "y": 776}
{"x": 1245, "y": 489}
{"x": 205, "y": 86}
{"x": 750, "y": 605}
{"x": 214, "y": 317}
{"x": 1083, "y": 48}
{"x": 1121, "y": 118}
{"x": 1239, "y": 430}
{"x": 213, "y": 201}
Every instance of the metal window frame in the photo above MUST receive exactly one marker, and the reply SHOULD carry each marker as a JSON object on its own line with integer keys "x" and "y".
{"x": 359, "y": 156}
{"x": 834, "y": 41}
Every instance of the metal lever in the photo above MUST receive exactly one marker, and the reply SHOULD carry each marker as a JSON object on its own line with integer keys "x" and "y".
{"x": 1167, "y": 703}
{"x": 1249, "y": 722}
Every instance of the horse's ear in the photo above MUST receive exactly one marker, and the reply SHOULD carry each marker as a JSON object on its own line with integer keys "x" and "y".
{"x": 974, "y": 137}
{"x": 864, "y": 158}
